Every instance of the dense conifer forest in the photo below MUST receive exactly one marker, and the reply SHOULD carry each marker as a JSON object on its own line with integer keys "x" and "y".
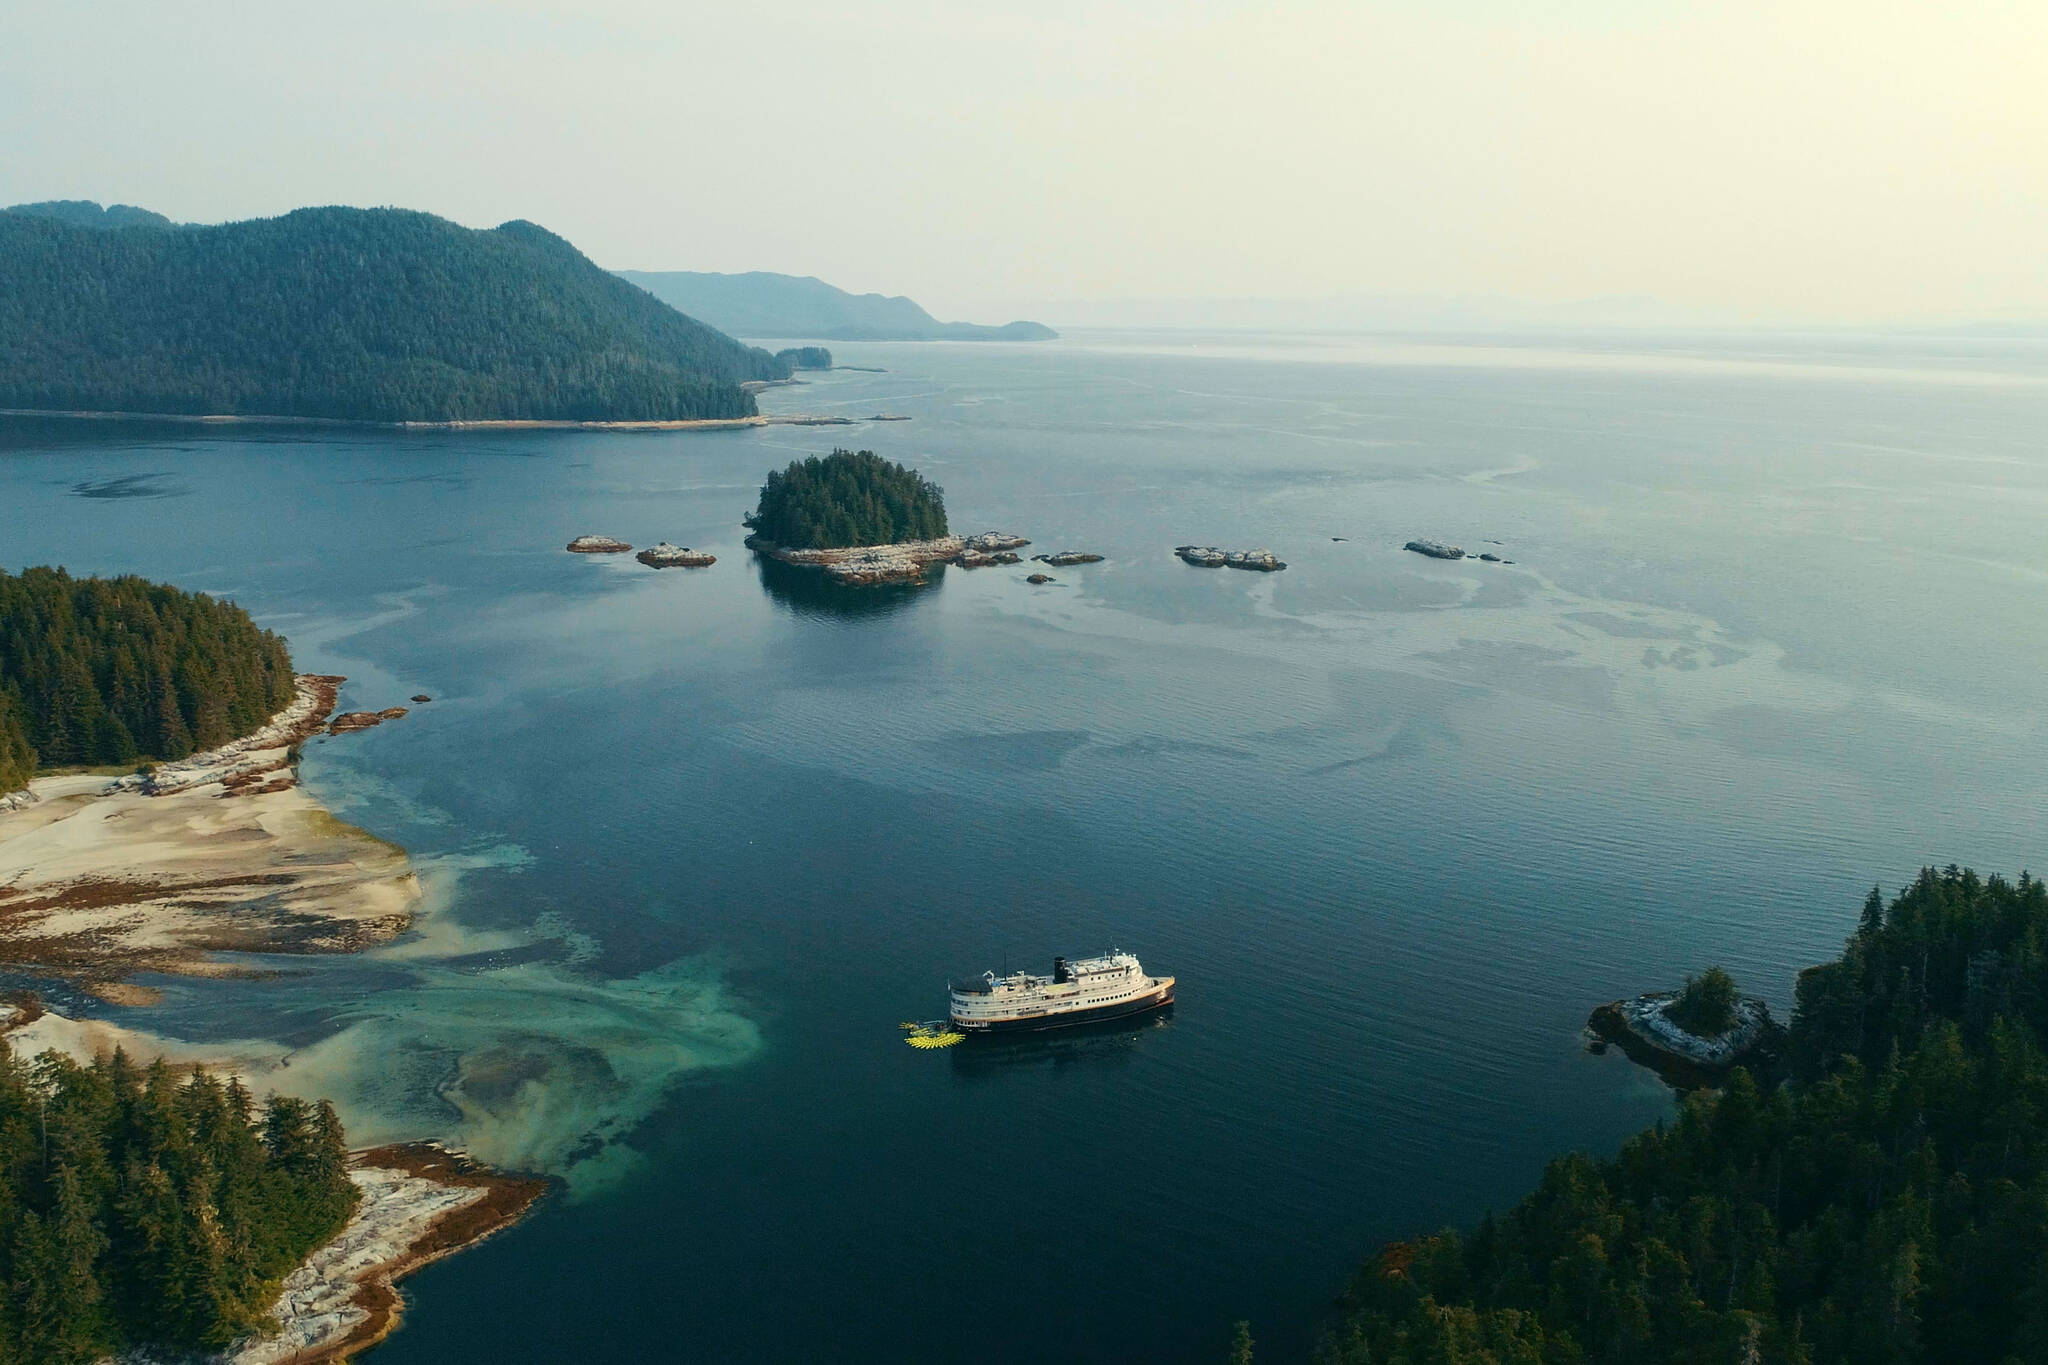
{"x": 112, "y": 670}
{"x": 137, "y": 1208}
{"x": 848, "y": 498}
{"x": 806, "y": 357}
{"x": 1888, "y": 1204}
{"x": 365, "y": 314}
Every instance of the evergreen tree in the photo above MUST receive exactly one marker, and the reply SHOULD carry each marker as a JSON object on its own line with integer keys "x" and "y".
{"x": 136, "y": 1210}
{"x": 105, "y": 670}
{"x": 847, "y": 498}
{"x": 368, "y": 314}
{"x": 1888, "y": 1202}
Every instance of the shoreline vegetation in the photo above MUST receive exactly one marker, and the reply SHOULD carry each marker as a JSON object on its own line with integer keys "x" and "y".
{"x": 221, "y": 852}
{"x": 1886, "y": 1201}
{"x": 462, "y": 424}
{"x": 224, "y": 851}
{"x": 158, "y": 868}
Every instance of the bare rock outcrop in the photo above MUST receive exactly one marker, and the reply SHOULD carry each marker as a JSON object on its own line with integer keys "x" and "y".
{"x": 1209, "y": 557}
{"x": 1435, "y": 549}
{"x": 905, "y": 562}
{"x": 597, "y": 545}
{"x": 1644, "y": 1029}
{"x": 1068, "y": 557}
{"x": 667, "y": 556}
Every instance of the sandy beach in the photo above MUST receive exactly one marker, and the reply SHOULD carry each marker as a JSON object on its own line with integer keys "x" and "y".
{"x": 101, "y": 878}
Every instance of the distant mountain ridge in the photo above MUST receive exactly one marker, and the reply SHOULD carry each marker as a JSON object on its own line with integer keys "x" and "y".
{"x": 761, "y": 303}
{"x": 358, "y": 314}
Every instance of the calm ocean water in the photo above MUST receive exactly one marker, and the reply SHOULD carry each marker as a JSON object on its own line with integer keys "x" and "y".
{"x": 698, "y": 840}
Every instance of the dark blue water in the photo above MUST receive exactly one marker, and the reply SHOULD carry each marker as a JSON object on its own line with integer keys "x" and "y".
{"x": 698, "y": 840}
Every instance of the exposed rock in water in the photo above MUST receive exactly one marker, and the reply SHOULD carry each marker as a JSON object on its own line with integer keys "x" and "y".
{"x": 1435, "y": 549}
{"x": 421, "y": 698}
{"x": 1339, "y": 539}
{"x": 1644, "y": 1030}
{"x": 1067, "y": 557}
{"x": 900, "y": 563}
{"x": 1038, "y": 578}
{"x": 667, "y": 556}
{"x": 363, "y": 720}
{"x": 1491, "y": 558}
{"x": 880, "y": 416}
{"x": 597, "y": 545}
{"x": 1209, "y": 557}
{"x": 989, "y": 541}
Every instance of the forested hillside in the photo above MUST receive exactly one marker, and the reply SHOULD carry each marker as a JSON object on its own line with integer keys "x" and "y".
{"x": 108, "y": 670}
{"x": 1887, "y": 1205}
{"x": 86, "y": 213}
{"x": 847, "y": 498}
{"x": 368, "y": 314}
{"x": 136, "y": 1208}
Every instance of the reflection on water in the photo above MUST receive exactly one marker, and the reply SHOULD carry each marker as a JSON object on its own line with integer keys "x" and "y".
{"x": 810, "y": 593}
{"x": 1111, "y": 1042}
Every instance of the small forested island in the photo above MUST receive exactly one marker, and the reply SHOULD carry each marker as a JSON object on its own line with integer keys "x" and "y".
{"x": 140, "y": 1208}
{"x": 114, "y": 670}
{"x": 845, "y": 499}
{"x": 380, "y": 315}
{"x": 861, "y": 520}
{"x": 1887, "y": 1202}
{"x": 805, "y": 358}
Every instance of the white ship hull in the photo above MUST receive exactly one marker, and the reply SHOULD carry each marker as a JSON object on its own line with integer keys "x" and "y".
{"x": 1084, "y": 992}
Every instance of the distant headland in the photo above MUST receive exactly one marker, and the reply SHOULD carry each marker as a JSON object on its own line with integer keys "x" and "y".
{"x": 379, "y": 315}
{"x": 763, "y": 304}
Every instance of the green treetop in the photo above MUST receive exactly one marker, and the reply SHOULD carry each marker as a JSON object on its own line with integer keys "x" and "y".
{"x": 1706, "y": 1007}
{"x": 847, "y": 498}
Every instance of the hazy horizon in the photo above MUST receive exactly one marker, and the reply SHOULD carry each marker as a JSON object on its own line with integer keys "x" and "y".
{"x": 1808, "y": 163}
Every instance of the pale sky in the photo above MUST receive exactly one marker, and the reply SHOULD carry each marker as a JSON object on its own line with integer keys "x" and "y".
{"x": 1827, "y": 160}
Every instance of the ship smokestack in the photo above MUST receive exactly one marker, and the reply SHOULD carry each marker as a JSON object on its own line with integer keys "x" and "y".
{"x": 1060, "y": 974}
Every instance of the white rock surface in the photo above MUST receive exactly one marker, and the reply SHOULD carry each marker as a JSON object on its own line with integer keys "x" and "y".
{"x": 1646, "y": 1017}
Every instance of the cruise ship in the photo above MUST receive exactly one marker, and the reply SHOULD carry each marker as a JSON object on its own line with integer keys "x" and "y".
{"x": 1078, "y": 992}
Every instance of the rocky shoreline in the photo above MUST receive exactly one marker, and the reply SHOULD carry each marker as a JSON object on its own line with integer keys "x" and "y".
{"x": 1643, "y": 1030}
{"x": 667, "y": 556}
{"x": 905, "y": 562}
{"x": 420, "y": 1202}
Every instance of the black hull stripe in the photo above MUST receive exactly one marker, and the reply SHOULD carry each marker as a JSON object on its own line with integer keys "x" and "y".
{"x": 1069, "y": 1019}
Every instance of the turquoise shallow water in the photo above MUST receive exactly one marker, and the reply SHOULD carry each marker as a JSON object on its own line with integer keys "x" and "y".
{"x": 699, "y": 840}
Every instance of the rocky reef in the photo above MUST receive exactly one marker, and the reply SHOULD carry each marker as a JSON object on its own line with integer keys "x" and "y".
{"x": 667, "y": 556}
{"x": 363, "y": 720}
{"x": 597, "y": 545}
{"x": 900, "y": 563}
{"x": 1067, "y": 557}
{"x": 1038, "y": 578}
{"x": 1435, "y": 549}
{"x": 1209, "y": 557}
{"x": 1643, "y": 1029}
